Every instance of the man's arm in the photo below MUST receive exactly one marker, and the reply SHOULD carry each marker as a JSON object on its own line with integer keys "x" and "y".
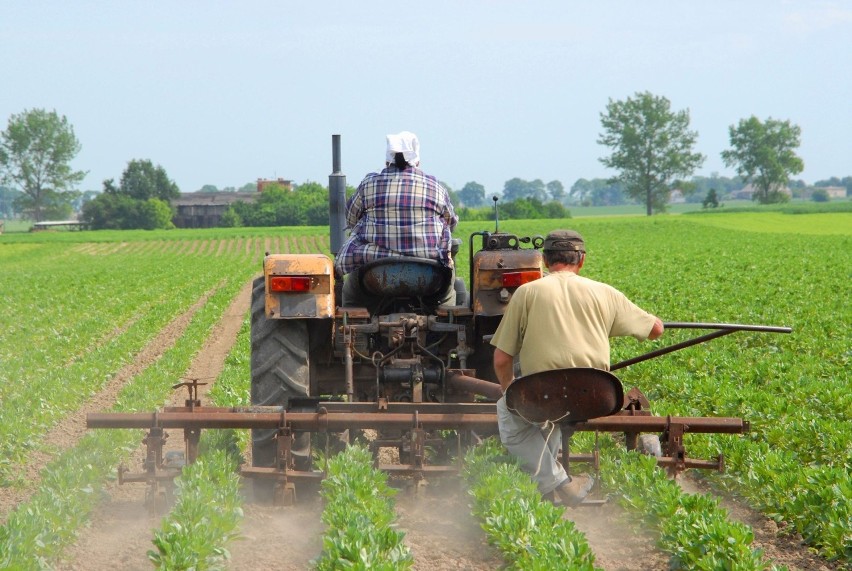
{"x": 504, "y": 367}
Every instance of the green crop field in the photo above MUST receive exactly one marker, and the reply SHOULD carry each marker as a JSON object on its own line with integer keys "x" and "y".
{"x": 77, "y": 307}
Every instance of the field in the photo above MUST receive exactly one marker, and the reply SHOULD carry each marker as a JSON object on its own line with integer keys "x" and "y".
{"x": 97, "y": 321}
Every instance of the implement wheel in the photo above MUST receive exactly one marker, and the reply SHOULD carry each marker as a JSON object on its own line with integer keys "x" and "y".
{"x": 279, "y": 371}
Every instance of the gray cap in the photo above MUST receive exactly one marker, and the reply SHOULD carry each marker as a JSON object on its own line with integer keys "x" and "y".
{"x": 565, "y": 240}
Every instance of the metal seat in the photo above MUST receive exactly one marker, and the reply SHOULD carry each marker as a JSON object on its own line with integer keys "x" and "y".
{"x": 404, "y": 277}
{"x": 565, "y": 395}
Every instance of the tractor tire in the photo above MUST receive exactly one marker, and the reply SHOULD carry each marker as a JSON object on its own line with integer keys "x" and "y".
{"x": 280, "y": 370}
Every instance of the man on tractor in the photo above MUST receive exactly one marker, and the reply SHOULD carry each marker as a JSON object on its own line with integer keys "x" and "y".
{"x": 400, "y": 211}
{"x": 559, "y": 321}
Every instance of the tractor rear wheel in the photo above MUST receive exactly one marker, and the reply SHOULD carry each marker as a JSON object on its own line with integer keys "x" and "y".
{"x": 280, "y": 370}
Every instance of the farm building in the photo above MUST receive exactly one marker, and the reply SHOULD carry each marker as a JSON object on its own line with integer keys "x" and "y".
{"x": 205, "y": 209}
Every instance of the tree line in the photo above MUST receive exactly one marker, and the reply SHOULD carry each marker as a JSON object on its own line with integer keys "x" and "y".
{"x": 651, "y": 153}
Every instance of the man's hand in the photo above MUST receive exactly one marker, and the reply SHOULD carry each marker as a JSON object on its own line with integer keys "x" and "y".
{"x": 656, "y": 330}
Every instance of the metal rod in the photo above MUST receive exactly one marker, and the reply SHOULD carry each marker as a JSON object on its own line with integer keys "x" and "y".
{"x": 721, "y": 330}
{"x": 731, "y": 326}
{"x": 339, "y": 421}
{"x": 671, "y": 348}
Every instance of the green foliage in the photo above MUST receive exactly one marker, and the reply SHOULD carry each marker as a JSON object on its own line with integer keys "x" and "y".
{"x": 820, "y": 195}
{"x": 529, "y": 531}
{"x": 472, "y": 195}
{"x": 765, "y": 153}
{"x": 142, "y": 201}
{"x": 711, "y": 200}
{"x": 204, "y": 518}
{"x": 306, "y": 205}
{"x": 651, "y": 147}
{"x": 693, "y": 528}
{"x": 141, "y": 180}
{"x": 359, "y": 514}
{"x": 36, "y": 150}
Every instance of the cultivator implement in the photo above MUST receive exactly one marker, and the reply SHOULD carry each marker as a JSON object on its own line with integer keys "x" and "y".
{"x": 575, "y": 400}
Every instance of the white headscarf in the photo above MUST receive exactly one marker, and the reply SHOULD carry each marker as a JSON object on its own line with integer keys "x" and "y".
{"x": 405, "y": 143}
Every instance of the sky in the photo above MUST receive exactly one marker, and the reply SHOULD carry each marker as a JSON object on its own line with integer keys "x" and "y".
{"x": 224, "y": 93}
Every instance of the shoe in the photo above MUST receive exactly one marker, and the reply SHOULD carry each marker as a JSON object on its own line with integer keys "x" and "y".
{"x": 573, "y": 491}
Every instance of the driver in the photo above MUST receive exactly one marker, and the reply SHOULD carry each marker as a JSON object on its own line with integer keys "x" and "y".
{"x": 400, "y": 211}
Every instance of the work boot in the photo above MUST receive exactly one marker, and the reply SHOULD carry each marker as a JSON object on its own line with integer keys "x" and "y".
{"x": 574, "y": 490}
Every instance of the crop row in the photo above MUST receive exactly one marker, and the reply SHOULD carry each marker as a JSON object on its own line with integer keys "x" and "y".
{"x": 693, "y": 528}
{"x": 530, "y": 532}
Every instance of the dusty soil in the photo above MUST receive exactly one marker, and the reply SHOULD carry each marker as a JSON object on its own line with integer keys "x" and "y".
{"x": 436, "y": 520}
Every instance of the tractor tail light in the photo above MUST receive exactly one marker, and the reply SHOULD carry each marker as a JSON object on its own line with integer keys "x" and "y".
{"x": 289, "y": 284}
{"x": 514, "y": 279}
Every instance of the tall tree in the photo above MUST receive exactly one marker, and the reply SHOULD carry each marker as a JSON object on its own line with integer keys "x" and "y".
{"x": 556, "y": 190}
{"x": 35, "y": 151}
{"x": 472, "y": 194}
{"x": 142, "y": 180}
{"x": 652, "y": 147}
{"x": 764, "y": 153}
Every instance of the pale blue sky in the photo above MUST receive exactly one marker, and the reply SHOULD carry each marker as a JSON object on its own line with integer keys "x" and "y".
{"x": 223, "y": 93}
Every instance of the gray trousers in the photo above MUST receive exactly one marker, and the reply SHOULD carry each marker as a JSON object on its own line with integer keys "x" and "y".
{"x": 535, "y": 445}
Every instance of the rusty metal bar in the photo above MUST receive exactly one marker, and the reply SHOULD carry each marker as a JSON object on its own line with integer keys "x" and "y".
{"x": 460, "y": 382}
{"x": 339, "y": 421}
{"x": 310, "y": 421}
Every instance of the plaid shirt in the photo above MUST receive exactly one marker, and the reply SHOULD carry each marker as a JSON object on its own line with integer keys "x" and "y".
{"x": 397, "y": 213}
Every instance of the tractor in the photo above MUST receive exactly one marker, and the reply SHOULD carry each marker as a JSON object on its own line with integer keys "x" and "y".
{"x": 408, "y": 374}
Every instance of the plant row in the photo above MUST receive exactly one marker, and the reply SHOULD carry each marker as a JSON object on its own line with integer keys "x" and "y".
{"x": 529, "y": 531}
{"x": 693, "y": 528}
{"x": 359, "y": 515}
{"x": 196, "y": 533}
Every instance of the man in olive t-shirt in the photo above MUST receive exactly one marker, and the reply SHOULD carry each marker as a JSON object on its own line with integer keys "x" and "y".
{"x": 559, "y": 321}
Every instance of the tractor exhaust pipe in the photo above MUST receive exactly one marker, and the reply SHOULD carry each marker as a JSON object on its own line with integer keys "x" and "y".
{"x": 336, "y": 198}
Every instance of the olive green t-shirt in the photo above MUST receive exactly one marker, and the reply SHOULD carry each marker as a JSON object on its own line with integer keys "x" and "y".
{"x": 564, "y": 320}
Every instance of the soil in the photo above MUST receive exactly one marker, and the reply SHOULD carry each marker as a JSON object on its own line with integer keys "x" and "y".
{"x": 439, "y": 529}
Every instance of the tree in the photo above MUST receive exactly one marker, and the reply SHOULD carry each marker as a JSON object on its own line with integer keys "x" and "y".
{"x": 142, "y": 180}
{"x": 820, "y": 195}
{"x": 711, "y": 200}
{"x": 514, "y": 189}
{"x": 472, "y": 194}
{"x": 764, "y": 153}
{"x": 35, "y": 151}
{"x": 141, "y": 200}
{"x": 652, "y": 147}
{"x": 556, "y": 190}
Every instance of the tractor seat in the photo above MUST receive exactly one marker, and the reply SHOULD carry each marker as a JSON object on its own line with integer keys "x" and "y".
{"x": 404, "y": 277}
{"x": 565, "y": 395}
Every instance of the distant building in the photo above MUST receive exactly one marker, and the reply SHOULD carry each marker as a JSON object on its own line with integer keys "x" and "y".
{"x": 747, "y": 192}
{"x": 264, "y": 182}
{"x": 676, "y": 197}
{"x": 205, "y": 209}
{"x": 834, "y": 192}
